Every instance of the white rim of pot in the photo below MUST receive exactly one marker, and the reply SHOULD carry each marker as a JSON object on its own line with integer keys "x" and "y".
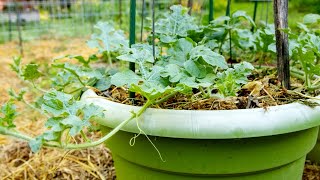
{"x": 208, "y": 124}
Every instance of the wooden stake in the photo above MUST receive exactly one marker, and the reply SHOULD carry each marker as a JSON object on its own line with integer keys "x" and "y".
{"x": 190, "y": 4}
{"x": 281, "y": 22}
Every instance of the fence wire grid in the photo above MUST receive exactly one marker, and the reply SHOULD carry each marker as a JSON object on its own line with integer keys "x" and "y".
{"x": 34, "y": 20}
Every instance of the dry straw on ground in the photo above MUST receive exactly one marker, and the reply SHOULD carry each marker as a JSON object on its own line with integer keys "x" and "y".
{"x": 16, "y": 160}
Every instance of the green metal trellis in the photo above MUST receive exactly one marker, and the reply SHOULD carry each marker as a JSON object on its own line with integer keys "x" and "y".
{"x": 132, "y": 35}
{"x": 210, "y": 10}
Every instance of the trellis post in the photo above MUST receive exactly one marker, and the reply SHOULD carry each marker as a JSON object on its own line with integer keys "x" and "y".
{"x": 190, "y": 3}
{"x": 281, "y": 22}
{"x": 132, "y": 34}
{"x": 228, "y": 8}
{"x": 142, "y": 19}
{"x": 255, "y": 10}
{"x": 18, "y": 7}
{"x": 10, "y": 23}
{"x": 210, "y": 10}
{"x": 120, "y": 12}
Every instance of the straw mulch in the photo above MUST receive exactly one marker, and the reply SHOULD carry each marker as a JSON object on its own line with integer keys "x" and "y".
{"x": 16, "y": 160}
{"x": 311, "y": 171}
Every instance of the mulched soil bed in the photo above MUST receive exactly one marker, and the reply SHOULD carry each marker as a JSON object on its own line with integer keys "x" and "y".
{"x": 264, "y": 91}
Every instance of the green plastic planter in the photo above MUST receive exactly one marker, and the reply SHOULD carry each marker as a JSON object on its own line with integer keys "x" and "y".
{"x": 250, "y": 144}
{"x": 314, "y": 155}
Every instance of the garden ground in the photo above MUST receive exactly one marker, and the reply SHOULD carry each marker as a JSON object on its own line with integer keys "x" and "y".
{"x": 16, "y": 159}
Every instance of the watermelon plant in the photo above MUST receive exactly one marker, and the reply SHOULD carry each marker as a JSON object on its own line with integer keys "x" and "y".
{"x": 185, "y": 66}
{"x": 305, "y": 51}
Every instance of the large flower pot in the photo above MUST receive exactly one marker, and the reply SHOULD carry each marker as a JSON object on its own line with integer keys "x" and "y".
{"x": 249, "y": 144}
{"x": 314, "y": 155}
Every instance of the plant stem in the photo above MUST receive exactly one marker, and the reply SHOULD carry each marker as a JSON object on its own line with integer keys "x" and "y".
{"x": 303, "y": 95}
{"x": 34, "y": 108}
{"x": 208, "y": 92}
{"x": 6, "y": 131}
{"x": 297, "y": 75}
{"x": 111, "y": 133}
{"x": 85, "y": 136}
{"x": 297, "y": 71}
{"x": 38, "y": 88}
{"x": 76, "y": 90}
{"x": 165, "y": 98}
{"x": 221, "y": 44}
{"x": 73, "y": 73}
{"x": 205, "y": 95}
{"x": 10, "y": 132}
{"x": 314, "y": 87}
{"x": 19, "y": 135}
{"x": 109, "y": 59}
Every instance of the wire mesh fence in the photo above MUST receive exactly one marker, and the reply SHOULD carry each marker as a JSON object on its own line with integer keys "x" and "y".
{"x": 25, "y": 20}
{"x": 55, "y": 18}
{"x": 34, "y": 20}
{"x": 71, "y": 17}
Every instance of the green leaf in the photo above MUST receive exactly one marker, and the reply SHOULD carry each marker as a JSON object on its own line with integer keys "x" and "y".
{"x": 90, "y": 111}
{"x": 16, "y": 66}
{"x": 126, "y": 77}
{"x": 82, "y": 60}
{"x": 265, "y": 39}
{"x": 79, "y": 71}
{"x": 56, "y": 102}
{"x": 311, "y": 18}
{"x": 54, "y": 125}
{"x": 189, "y": 81}
{"x": 212, "y": 58}
{"x": 211, "y": 44}
{"x": 175, "y": 24}
{"x": 195, "y": 69}
{"x": 139, "y": 53}
{"x": 51, "y": 135}
{"x": 220, "y": 20}
{"x": 36, "y": 144}
{"x": 183, "y": 88}
{"x": 238, "y": 14}
{"x": 109, "y": 39}
{"x": 307, "y": 59}
{"x": 243, "y": 38}
{"x": 180, "y": 50}
{"x": 172, "y": 71}
{"x": 18, "y": 96}
{"x": 242, "y": 70}
{"x": 31, "y": 72}
{"x": 75, "y": 124}
{"x": 208, "y": 80}
{"x": 68, "y": 114}
{"x": 151, "y": 91}
{"x": 7, "y": 115}
{"x": 229, "y": 82}
{"x": 75, "y": 77}
{"x": 103, "y": 84}
{"x": 303, "y": 27}
{"x": 226, "y": 83}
